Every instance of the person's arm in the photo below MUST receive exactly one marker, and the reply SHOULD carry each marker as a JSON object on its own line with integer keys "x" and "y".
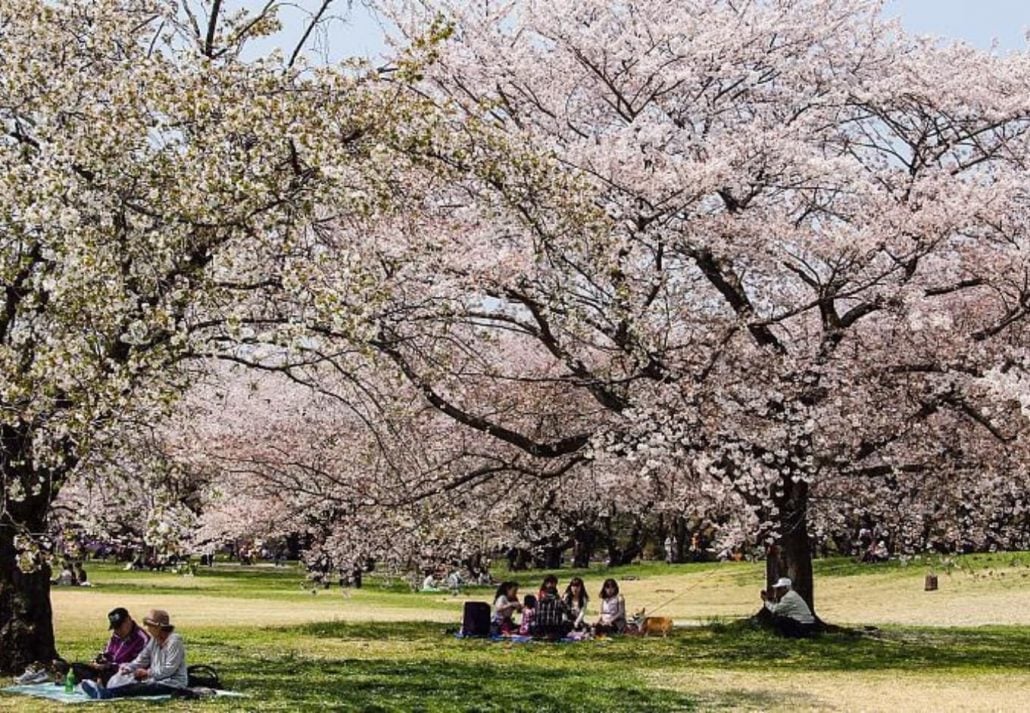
{"x": 136, "y": 645}
{"x": 582, "y": 615}
{"x": 175, "y": 655}
{"x": 505, "y": 607}
{"x": 108, "y": 653}
{"x": 141, "y": 661}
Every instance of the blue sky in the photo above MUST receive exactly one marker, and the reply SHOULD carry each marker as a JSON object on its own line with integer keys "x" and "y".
{"x": 975, "y": 21}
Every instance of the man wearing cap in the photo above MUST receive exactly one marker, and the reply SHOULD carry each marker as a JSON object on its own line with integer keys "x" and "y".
{"x": 127, "y": 641}
{"x": 160, "y": 668}
{"x": 790, "y": 614}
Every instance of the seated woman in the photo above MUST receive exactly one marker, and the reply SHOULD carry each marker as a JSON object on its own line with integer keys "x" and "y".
{"x": 613, "y": 610}
{"x": 576, "y": 599}
{"x": 506, "y": 603}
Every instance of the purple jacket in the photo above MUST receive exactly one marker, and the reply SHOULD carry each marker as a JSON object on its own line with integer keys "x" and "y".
{"x": 125, "y": 650}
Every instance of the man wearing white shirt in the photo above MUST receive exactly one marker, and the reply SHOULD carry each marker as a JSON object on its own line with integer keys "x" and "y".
{"x": 790, "y": 614}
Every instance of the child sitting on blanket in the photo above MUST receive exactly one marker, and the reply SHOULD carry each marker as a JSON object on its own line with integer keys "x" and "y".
{"x": 528, "y": 614}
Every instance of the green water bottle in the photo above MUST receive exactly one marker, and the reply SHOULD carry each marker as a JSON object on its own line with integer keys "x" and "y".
{"x": 69, "y": 682}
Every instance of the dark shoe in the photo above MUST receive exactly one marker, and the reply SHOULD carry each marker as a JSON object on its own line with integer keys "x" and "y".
{"x": 95, "y": 690}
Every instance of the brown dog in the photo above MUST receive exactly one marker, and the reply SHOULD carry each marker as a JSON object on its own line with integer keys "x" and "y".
{"x": 652, "y": 625}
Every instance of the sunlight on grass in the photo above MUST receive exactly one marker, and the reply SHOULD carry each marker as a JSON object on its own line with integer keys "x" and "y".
{"x": 378, "y": 649}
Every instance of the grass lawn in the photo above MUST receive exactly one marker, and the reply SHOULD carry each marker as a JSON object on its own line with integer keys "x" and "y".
{"x": 964, "y": 647}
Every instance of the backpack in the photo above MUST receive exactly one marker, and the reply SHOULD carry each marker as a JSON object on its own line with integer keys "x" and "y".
{"x": 475, "y": 620}
{"x": 202, "y": 676}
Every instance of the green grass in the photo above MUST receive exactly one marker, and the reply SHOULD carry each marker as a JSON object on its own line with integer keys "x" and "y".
{"x": 418, "y": 666}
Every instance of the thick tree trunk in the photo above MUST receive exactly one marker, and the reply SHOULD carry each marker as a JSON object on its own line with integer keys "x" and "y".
{"x": 792, "y": 557}
{"x": 26, "y": 619}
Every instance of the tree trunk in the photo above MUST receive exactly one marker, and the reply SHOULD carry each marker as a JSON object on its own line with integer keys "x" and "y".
{"x": 584, "y": 543}
{"x": 26, "y": 619}
{"x": 792, "y": 557}
{"x": 681, "y": 539}
{"x": 548, "y": 556}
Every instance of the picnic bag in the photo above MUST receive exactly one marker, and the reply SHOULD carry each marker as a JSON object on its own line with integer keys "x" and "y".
{"x": 475, "y": 620}
{"x": 202, "y": 676}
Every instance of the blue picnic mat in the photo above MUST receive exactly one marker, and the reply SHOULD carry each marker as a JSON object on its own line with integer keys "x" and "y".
{"x": 519, "y": 639}
{"x": 55, "y": 692}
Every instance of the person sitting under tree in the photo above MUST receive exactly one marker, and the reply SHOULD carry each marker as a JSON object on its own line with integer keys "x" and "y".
{"x": 789, "y": 615}
{"x": 126, "y": 643}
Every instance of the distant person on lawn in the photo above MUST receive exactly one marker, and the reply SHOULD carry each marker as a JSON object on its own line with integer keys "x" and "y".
{"x": 790, "y": 615}
{"x": 67, "y": 576}
{"x": 160, "y": 669}
{"x": 81, "y": 578}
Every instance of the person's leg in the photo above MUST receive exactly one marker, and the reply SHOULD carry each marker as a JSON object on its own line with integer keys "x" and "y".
{"x": 85, "y": 672}
{"x": 134, "y": 690}
{"x": 791, "y": 628}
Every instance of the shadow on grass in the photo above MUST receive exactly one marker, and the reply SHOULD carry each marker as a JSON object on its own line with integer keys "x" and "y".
{"x": 431, "y": 684}
{"x": 738, "y": 646}
{"x": 417, "y": 666}
{"x": 734, "y": 646}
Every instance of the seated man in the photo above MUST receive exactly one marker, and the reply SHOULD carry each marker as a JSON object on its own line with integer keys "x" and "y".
{"x": 790, "y": 614}
{"x": 551, "y": 618}
{"x": 159, "y": 669}
{"x": 126, "y": 643}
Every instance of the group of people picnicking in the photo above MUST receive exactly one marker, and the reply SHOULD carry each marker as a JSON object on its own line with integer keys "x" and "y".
{"x": 73, "y": 574}
{"x": 137, "y": 661}
{"x": 550, "y": 615}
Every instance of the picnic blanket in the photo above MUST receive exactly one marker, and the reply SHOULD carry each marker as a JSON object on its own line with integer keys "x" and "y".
{"x": 55, "y": 692}
{"x": 518, "y": 639}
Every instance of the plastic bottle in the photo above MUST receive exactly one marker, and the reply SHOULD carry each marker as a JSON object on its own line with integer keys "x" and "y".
{"x": 69, "y": 682}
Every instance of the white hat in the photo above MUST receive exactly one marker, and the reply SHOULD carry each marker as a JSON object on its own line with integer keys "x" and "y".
{"x": 782, "y": 582}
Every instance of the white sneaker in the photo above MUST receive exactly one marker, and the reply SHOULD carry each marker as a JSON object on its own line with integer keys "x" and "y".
{"x": 32, "y": 676}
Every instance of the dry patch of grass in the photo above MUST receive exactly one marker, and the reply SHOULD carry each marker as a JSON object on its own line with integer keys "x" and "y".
{"x": 78, "y": 612}
{"x": 869, "y": 692}
{"x": 882, "y": 597}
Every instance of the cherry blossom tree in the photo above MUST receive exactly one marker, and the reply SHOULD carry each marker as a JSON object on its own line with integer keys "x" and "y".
{"x": 769, "y": 246}
{"x": 156, "y": 190}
